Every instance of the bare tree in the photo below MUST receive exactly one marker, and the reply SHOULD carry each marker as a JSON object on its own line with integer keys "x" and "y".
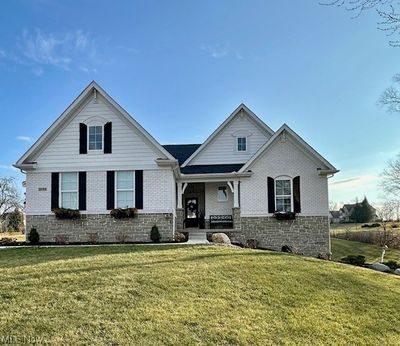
{"x": 333, "y": 205}
{"x": 391, "y": 178}
{"x": 391, "y": 96}
{"x": 388, "y": 22}
{"x": 10, "y": 198}
{"x": 388, "y": 16}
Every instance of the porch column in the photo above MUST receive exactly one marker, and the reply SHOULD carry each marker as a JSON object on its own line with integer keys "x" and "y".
{"x": 179, "y": 202}
{"x": 181, "y": 190}
{"x": 235, "y": 194}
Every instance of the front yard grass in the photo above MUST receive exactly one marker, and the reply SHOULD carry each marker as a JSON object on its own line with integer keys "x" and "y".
{"x": 342, "y": 248}
{"x": 153, "y": 295}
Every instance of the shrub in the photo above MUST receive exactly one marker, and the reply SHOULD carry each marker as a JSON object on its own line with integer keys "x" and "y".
{"x": 61, "y": 239}
{"x": 287, "y": 248}
{"x": 251, "y": 243}
{"x": 356, "y": 260}
{"x": 371, "y": 225}
{"x": 392, "y": 264}
{"x": 66, "y": 214}
{"x": 33, "y": 236}
{"x": 123, "y": 213}
{"x": 155, "y": 235}
{"x": 285, "y": 215}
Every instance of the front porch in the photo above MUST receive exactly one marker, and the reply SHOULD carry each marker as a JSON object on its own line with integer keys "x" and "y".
{"x": 207, "y": 205}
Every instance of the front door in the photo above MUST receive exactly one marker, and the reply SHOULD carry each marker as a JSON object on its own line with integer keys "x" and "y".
{"x": 192, "y": 212}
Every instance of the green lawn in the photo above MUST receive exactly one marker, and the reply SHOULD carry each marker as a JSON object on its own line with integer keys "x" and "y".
{"x": 117, "y": 295}
{"x": 341, "y": 248}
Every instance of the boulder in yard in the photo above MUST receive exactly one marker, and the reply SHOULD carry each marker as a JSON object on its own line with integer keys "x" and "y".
{"x": 220, "y": 238}
{"x": 397, "y": 271}
{"x": 180, "y": 237}
{"x": 380, "y": 267}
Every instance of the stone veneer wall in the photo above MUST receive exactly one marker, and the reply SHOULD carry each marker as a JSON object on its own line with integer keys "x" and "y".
{"x": 308, "y": 235}
{"x": 101, "y": 228}
{"x": 180, "y": 215}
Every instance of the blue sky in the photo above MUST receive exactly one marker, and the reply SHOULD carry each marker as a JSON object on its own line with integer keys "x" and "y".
{"x": 181, "y": 67}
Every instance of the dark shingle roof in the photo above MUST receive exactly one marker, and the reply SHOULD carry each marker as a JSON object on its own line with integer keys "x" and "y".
{"x": 203, "y": 169}
{"x": 335, "y": 213}
{"x": 181, "y": 151}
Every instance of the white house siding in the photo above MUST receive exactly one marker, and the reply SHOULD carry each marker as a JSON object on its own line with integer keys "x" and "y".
{"x": 223, "y": 148}
{"x": 212, "y": 205}
{"x": 130, "y": 149}
{"x": 38, "y": 202}
{"x": 284, "y": 158}
{"x": 158, "y": 192}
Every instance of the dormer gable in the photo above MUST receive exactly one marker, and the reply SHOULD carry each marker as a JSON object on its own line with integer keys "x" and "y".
{"x": 235, "y": 141}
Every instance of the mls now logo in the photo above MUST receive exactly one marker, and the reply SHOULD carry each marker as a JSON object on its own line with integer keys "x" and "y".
{"x": 20, "y": 339}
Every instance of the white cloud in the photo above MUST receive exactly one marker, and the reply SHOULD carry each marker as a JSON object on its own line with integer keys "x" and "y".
{"x": 38, "y": 71}
{"x": 24, "y": 138}
{"x": 9, "y": 167}
{"x": 220, "y": 51}
{"x": 39, "y": 50}
{"x": 355, "y": 182}
{"x": 216, "y": 51}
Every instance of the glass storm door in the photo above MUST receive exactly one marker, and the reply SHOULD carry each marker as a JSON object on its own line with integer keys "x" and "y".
{"x": 192, "y": 212}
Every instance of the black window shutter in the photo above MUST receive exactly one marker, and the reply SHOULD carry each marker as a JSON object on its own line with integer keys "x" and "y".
{"x": 82, "y": 190}
{"x": 82, "y": 138}
{"x": 296, "y": 194}
{"x": 108, "y": 138}
{"x": 55, "y": 189}
{"x": 110, "y": 189}
{"x": 271, "y": 195}
{"x": 139, "y": 189}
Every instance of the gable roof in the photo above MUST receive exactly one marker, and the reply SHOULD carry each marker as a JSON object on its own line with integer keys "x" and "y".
{"x": 181, "y": 151}
{"x": 237, "y": 111}
{"x": 64, "y": 117}
{"x": 303, "y": 144}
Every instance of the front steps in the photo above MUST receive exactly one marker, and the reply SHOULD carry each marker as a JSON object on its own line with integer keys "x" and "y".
{"x": 197, "y": 236}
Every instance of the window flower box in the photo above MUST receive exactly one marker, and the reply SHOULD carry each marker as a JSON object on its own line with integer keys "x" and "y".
{"x": 66, "y": 214}
{"x": 282, "y": 216}
{"x": 123, "y": 213}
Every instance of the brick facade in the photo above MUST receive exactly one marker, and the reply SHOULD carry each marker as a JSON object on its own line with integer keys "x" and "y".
{"x": 101, "y": 228}
{"x": 308, "y": 235}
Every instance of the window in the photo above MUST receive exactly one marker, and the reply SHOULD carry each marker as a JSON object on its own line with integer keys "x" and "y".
{"x": 241, "y": 144}
{"x": 95, "y": 137}
{"x": 222, "y": 194}
{"x": 283, "y": 195}
{"x": 124, "y": 189}
{"x": 69, "y": 190}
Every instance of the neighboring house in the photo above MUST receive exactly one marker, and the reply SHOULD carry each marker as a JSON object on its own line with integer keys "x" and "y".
{"x": 347, "y": 210}
{"x": 334, "y": 216}
{"x": 96, "y": 157}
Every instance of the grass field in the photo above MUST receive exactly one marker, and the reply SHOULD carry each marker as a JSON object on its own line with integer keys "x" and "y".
{"x": 117, "y": 295}
{"x": 341, "y": 248}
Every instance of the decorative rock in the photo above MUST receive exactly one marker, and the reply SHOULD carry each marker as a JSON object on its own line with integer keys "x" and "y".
{"x": 221, "y": 238}
{"x": 380, "y": 267}
{"x": 397, "y": 271}
{"x": 180, "y": 237}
